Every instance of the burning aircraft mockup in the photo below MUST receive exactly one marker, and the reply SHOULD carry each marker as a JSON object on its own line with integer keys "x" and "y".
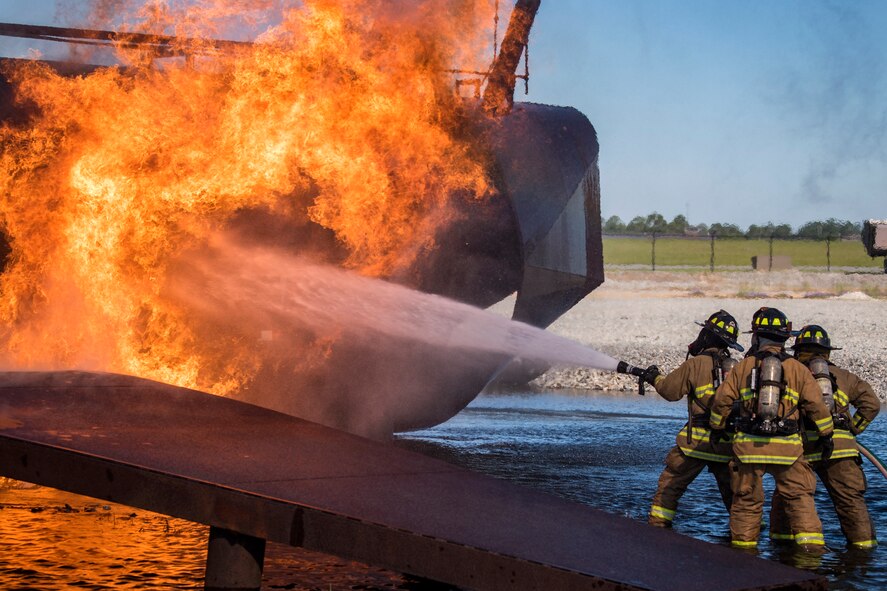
{"x": 335, "y": 138}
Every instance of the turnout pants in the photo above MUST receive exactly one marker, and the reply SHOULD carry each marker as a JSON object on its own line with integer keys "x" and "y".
{"x": 846, "y": 485}
{"x": 680, "y": 470}
{"x": 795, "y": 483}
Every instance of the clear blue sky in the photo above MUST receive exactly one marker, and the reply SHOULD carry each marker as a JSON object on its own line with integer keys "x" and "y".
{"x": 739, "y": 112}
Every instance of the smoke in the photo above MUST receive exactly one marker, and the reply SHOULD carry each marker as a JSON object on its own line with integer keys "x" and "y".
{"x": 842, "y": 108}
{"x": 351, "y": 351}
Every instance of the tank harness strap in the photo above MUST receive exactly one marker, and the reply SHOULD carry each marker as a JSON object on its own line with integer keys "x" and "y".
{"x": 843, "y": 422}
{"x": 783, "y": 427}
{"x": 736, "y": 413}
{"x": 701, "y": 420}
{"x": 841, "y": 418}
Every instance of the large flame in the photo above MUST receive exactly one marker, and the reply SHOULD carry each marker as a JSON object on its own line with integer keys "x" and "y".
{"x": 341, "y": 112}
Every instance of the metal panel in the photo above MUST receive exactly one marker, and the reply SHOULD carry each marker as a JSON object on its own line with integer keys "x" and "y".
{"x": 547, "y": 158}
{"x": 874, "y": 237}
{"x": 268, "y": 475}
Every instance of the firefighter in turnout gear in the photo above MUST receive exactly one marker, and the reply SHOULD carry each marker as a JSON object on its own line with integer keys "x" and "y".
{"x": 841, "y": 472}
{"x": 775, "y": 392}
{"x": 708, "y": 360}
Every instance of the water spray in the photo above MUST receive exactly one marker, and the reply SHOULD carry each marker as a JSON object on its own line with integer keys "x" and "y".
{"x": 336, "y": 347}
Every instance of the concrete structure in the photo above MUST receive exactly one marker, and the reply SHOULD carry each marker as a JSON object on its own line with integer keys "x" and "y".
{"x": 763, "y": 262}
{"x": 874, "y": 238}
{"x": 255, "y": 475}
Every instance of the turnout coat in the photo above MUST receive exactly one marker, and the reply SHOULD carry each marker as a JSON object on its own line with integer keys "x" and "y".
{"x": 694, "y": 379}
{"x": 851, "y": 391}
{"x": 801, "y": 398}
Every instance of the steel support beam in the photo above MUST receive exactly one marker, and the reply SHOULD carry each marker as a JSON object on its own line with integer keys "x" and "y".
{"x": 234, "y": 561}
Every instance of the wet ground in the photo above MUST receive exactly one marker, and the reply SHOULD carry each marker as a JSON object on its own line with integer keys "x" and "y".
{"x": 53, "y": 540}
{"x": 601, "y": 449}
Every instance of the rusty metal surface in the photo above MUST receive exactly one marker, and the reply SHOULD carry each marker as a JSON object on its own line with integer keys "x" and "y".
{"x": 499, "y": 94}
{"x": 272, "y": 476}
{"x": 161, "y": 45}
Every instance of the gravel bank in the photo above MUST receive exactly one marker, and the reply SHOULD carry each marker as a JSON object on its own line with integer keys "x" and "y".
{"x": 646, "y": 318}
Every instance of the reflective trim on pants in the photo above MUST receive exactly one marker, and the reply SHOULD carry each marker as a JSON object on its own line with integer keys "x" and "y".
{"x": 811, "y": 538}
{"x": 741, "y": 544}
{"x": 680, "y": 471}
{"x": 661, "y": 513}
{"x": 845, "y": 482}
{"x": 865, "y": 544}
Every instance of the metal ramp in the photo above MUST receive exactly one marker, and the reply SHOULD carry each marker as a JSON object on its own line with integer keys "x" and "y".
{"x": 255, "y": 475}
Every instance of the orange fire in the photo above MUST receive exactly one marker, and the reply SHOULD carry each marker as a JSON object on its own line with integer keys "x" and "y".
{"x": 342, "y": 111}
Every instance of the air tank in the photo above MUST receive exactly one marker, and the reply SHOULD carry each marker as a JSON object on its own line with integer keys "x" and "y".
{"x": 727, "y": 366}
{"x": 769, "y": 393}
{"x": 721, "y": 371}
{"x": 819, "y": 367}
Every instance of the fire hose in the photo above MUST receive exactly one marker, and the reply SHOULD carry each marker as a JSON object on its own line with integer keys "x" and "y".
{"x": 873, "y": 459}
{"x": 624, "y": 367}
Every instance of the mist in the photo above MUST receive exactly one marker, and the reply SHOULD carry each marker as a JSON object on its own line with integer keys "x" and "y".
{"x": 350, "y": 351}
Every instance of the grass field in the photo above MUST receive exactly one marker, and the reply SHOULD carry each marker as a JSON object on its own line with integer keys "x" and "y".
{"x": 733, "y": 252}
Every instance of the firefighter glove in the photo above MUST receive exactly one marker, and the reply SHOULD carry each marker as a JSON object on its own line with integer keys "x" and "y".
{"x": 651, "y": 373}
{"x": 717, "y": 435}
{"x": 827, "y": 445}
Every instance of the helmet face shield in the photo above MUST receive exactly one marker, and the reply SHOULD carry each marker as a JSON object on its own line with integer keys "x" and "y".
{"x": 723, "y": 325}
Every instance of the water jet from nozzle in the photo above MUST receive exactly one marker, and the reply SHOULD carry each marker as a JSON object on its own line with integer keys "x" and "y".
{"x": 262, "y": 287}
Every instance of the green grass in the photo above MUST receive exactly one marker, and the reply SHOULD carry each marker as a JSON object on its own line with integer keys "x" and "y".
{"x": 733, "y": 252}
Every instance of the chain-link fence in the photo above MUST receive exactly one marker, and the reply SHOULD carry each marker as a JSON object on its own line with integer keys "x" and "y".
{"x": 711, "y": 252}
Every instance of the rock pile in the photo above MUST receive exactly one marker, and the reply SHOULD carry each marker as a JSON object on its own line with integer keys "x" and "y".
{"x": 645, "y": 322}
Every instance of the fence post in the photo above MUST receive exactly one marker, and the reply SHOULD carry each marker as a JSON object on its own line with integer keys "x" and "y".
{"x": 654, "y": 251}
{"x": 828, "y": 253}
{"x": 711, "y": 264}
{"x": 770, "y": 262}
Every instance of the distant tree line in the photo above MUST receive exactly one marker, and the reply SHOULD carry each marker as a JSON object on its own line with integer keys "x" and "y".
{"x": 655, "y": 223}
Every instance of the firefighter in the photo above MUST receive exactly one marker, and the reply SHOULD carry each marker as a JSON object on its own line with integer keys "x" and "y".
{"x": 841, "y": 473}
{"x": 708, "y": 360}
{"x": 775, "y": 391}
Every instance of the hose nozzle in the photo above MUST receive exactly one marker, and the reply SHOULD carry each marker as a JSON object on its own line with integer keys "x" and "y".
{"x": 623, "y": 367}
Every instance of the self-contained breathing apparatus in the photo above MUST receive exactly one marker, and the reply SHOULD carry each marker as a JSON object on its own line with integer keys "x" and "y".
{"x": 768, "y": 388}
{"x": 720, "y": 371}
{"x": 827, "y": 385}
{"x": 819, "y": 368}
{"x": 812, "y": 347}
